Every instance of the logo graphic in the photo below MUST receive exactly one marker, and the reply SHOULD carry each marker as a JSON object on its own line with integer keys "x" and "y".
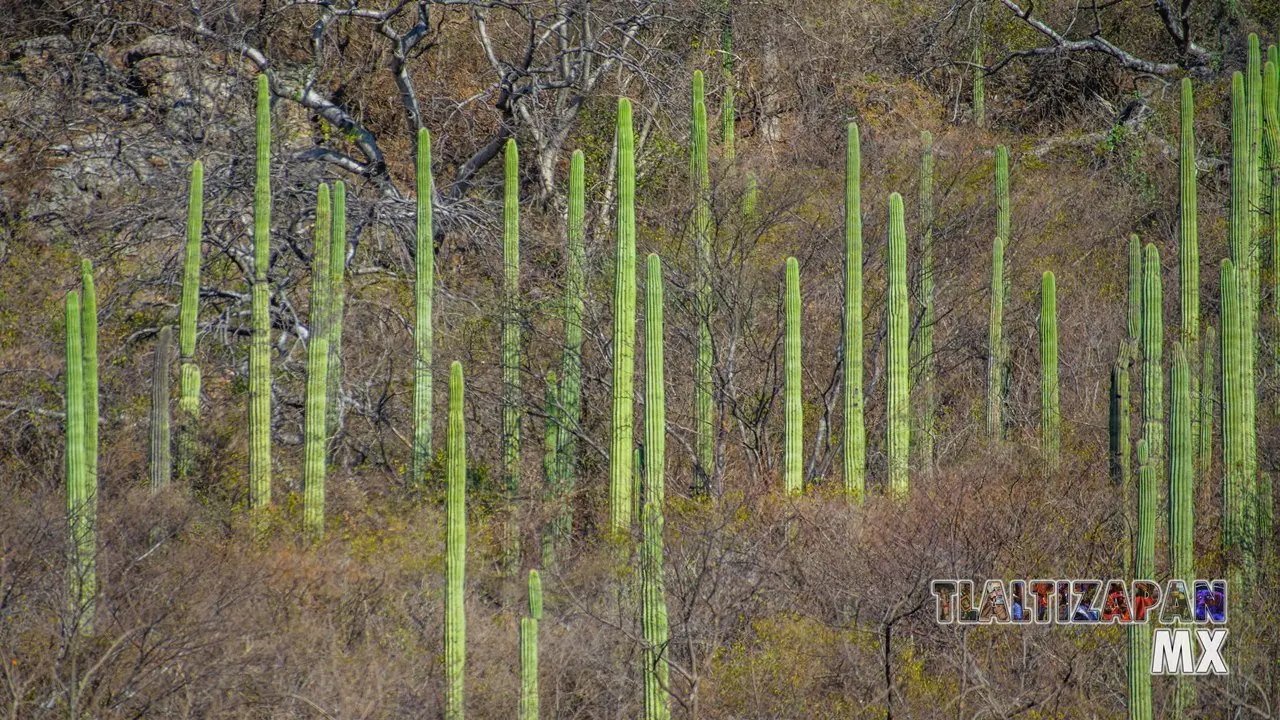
{"x": 1171, "y": 653}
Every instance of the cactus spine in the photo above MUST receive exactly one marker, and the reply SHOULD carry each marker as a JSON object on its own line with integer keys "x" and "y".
{"x": 928, "y": 315}
{"x": 703, "y": 412}
{"x": 89, "y": 337}
{"x": 1139, "y": 635}
{"x": 657, "y": 702}
{"x": 1119, "y": 420}
{"x": 1181, "y": 492}
{"x": 161, "y": 460}
{"x": 317, "y": 375}
{"x": 1050, "y": 411}
{"x": 570, "y": 392}
{"x": 337, "y": 300}
{"x": 189, "y": 378}
{"x": 511, "y": 400}
{"x": 1188, "y": 246}
{"x": 423, "y": 291}
{"x": 1152, "y": 359}
{"x": 793, "y": 478}
{"x": 855, "y": 432}
{"x": 1235, "y": 498}
{"x": 455, "y": 548}
{"x": 624, "y": 328}
{"x": 260, "y": 345}
{"x": 81, "y": 572}
{"x": 899, "y": 322}
{"x": 529, "y": 650}
{"x": 995, "y": 338}
{"x": 1209, "y": 348}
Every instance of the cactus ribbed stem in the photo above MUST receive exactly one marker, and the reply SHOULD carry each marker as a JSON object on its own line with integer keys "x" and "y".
{"x": 1152, "y": 361}
{"x": 529, "y": 650}
{"x": 337, "y": 302}
{"x": 161, "y": 460}
{"x": 1139, "y": 635}
{"x": 1249, "y": 281}
{"x": 316, "y": 439}
{"x": 1181, "y": 495}
{"x": 423, "y": 291}
{"x": 657, "y": 700}
{"x": 928, "y": 314}
{"x": 855, "y": 432}
{"x": 89, "y": 348}
{"x": 750, "y": 200}
{"x": 700, "y": 181}
{"x": 624, "y": 328}
{"x": 1188, "y": 245}
{"x": 1119, "y": 420}
{"x": 1235, "y": 535}
{"x": 995, "y": 339}
{"x": 1133, "y": 320}
{"x": 570, "y": 393}
{"x": 189, "y": 378}
{"x": 260, "y": 345}
{"x": 1050, "y": 411}
{"x": 655, "y": 395}
{"x": 1208, "y": 351}
{"x": 899, "y": 324}
{"x": 81, "y": 571}
{"x": 455, "y": 549}
{"x": 1271, "y": 174}
{"x": 793, "y": 474}
{"x": 512, "y": 408}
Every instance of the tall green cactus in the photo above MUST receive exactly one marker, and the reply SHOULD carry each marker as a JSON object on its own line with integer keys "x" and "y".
{"x": 569, "y": 410}
{"x": 1139, "y": 635}
{"x": 529, "y": 650}
{"x": 89, "y": 348}
{"x": 1249, "y": 336}
{"x": 1152, "y": 360}
{"x": 657, "y": 700}
{"x": 1235, "y": 492}
{"x": 512, "y": 404}
{"x": 337, "y": 302}
{"x": 1050, "y": 410}
{"x": 624, "y": 328}
{"x": 1181, "y": 494}
{"x": 1188, "y": 245}
{"x": 898, "y": 415}
{"x": 1133, "y": 320}
{"x": 1271, "y": 115}
{"x": 455, "y": 551}
{"x": 1118, "y": 421}
{"x": 189, "y": 378}
{"x": 750, "y": 200}
{"x": 81, "y": 571}
{"x": 315, "y": 419}
{"x": 423, "y": 292}
{"x": 995, "y": 333}
{"x": 726, "y": 71}
{"x": 928, "y": 315}
{"x": 793, "y": 474}
{"x": 1208, "y": 350}
{"x": 260, "y": 345}
{"x": 979, "y": 85}
{"x": 700, "y": 180}
{"x": 1243, "y": 245}
{"x": 855, "y": 431}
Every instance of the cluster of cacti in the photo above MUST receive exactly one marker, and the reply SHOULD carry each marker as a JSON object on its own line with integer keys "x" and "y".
{"x": 1050, "y": 412}
{"x": 1181, "y": 492}
{"x": 455, "y": 551}
{"x": 1139, "y": 635}
{"x": 928, "y": 316}
{"x": 529, "y": 650}
{"x": 160, "y": 461}
{"x": 336, "y": 302}
{"x": 82, "y": 573}
{"x": 898, "y": 413}
{"x": 793, "y": 475}
{"x": 512, "y": 410}
{"x": 260, "y": 347}
{"x": 189, "y": 378}
{"x": 996, "y": 341}
{"x": 316, "y": 416}
{"x": 703, "y": 411}
{"x": 855, "y": 432}
{"x": 624, "y": 327}
{"x": 657, "y": 700}
{"x": 423, "y": 290}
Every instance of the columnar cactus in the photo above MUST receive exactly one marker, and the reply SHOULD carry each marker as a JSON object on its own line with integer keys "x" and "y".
{"x": 750, "y": 200}
{"x": 423, "y": 292}
{"x": 89, "y": 348}
{"x": 995, "y": 339}
{"x": 1236, "y": 493}
{"x": 657, "y": 701}
{"x": 189, "y": 378}
{"x": 928, "y": 316}
{"x": 899, "y": 323}
{"x": 1249, "y": 335}
{"x": 1134, "y": 317}
{"x": 570, "y": 400}
{"x": 161, "y": 460}
{"x": 1181, "y": 494}
{"x": 1152, "y": 360}
{"x": 1271, "y": 115}
{"x": 455, "y": 549}
{"x": 624, "y": 328}
{"x": 1050, "y": 411}
{"x": 703, "y": 410}
{"x": 315, "y": 419}
{"x": 855, "y": 432}
{"x": 1139, "y": 635}
{"x": 1118, "y": 421}
{"x": 260, "y": 347}
{"x": 1208, "y": 350}
{"x": 81, "y": 572}
{"x": 979, "y": 85}
{"x": 1243, "y": 246}
{"x": 512, "y": 410}
{"x": 337, "y": 301}
{"x": 551, "y": 466}
{"x": 1188, "y": 245}
{"x": 529, "y": 650}
{"x": 793, "y": 475}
